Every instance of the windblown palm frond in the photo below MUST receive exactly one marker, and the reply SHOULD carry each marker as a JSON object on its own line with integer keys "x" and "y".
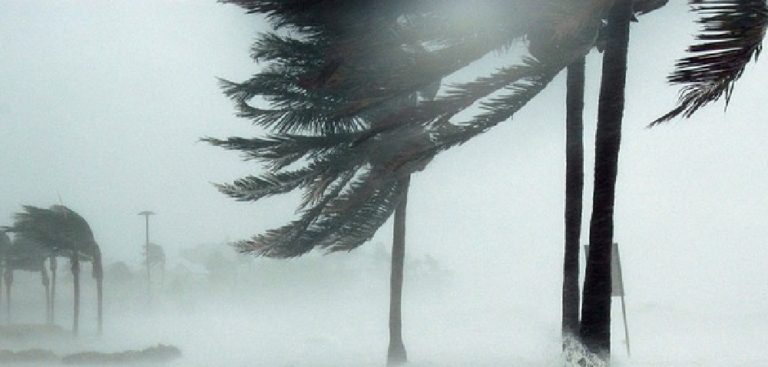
{"x": 26, "y": 254}
{"x": 58, "y": 228}
{"x": 345, "y": 121}
{"x": 351, "y": 191}
{"x": 732, "y": 34}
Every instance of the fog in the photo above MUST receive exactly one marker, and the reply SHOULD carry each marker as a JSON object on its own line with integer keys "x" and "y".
{"x": 101, "y": 109}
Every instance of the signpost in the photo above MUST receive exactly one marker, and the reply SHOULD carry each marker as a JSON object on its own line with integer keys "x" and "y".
{"x": 617, "y": 286}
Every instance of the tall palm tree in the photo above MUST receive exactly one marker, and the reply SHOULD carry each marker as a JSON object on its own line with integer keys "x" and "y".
{"x": 327, "y": 88}
{"x": 595, "y": 330}
{"x": 396, "y": 353}
{"x": 64, "y": 231}
{"x": 574, "y": 187}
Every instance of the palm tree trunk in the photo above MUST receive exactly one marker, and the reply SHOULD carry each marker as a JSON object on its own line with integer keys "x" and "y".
{"x": 47, "y": 286}
{"x": 574, "y": 187}
{"x": 52, "y": 264}
{"x": 75, "y": 262}
{"x": 595, "y": 330}
{"x": 98, "y": 273}
{"x": 396, "y": 354}
{"x": 8, "y": 277}
{"x": 2, "y": 271}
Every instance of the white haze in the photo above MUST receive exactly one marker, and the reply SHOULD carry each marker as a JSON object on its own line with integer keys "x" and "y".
{"x": 102, "y": 104}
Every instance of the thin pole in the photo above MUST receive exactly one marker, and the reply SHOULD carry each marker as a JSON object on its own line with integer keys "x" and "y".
{"x": 146, "y": 215}
{"x": 626, "y": 328}
{"x": 146, "y": 257}
{"x": 623, "y": 306}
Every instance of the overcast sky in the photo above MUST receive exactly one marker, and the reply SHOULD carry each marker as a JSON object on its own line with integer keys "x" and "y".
{"x": 102, "y": 104}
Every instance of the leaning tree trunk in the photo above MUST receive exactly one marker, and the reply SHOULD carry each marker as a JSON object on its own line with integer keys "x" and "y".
{"x": 75, "y": 262}
{"x": 47, "y": 286}
{"x": 595, "y": 330}
{"x": 574, "y": 187}
{"x": 98, "y": 274}
{"x": 52, "y": 264}
{"x": 396, "y": 355}
{"x": 8, "y": 277}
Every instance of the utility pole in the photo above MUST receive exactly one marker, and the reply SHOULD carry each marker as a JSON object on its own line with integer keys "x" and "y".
{"x": 146, "y": 215}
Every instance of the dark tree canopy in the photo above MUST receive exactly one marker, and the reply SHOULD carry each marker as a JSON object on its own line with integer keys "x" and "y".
{"x": 58, "y": 228}
{"x": 347, "y": 86}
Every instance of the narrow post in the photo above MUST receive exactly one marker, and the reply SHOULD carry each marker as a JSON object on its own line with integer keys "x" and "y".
{"x": 146, "y": 215}
{"x": 626, "y": 328}
{"x": 620, "y": 279}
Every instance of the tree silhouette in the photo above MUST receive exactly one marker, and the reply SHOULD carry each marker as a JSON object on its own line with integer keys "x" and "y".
{"x": 337, "y": 129}
{"x": 63, "y": 231}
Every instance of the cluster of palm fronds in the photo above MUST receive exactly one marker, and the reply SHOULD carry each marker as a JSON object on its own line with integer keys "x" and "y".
{"x": 44, "y": 234}
{"x": 732, "y": 35}
{"x": 349, "y": 87}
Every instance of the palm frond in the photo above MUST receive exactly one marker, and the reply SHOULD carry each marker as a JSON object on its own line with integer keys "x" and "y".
{"x": 732, "y": 34}
{"x": 343, "y": 220}
{"x": 58, "y": 228}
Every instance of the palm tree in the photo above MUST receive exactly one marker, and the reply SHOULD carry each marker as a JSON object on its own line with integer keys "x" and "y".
{"x": 337, "y": 108}
{"x": 396, "y": 353}
{"x": 574, "y": 187}
{"x": 595, "y": 325}
{"x": 27, "y": 255}
{"x": 63, "y": 231}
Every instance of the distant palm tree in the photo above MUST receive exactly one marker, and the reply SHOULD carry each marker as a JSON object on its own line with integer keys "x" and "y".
{"x": 64, "y": 232}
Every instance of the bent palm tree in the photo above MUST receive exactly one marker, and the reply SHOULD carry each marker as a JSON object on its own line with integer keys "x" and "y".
{"x": 334, "y": 90}
{"x": 64, "y": 232}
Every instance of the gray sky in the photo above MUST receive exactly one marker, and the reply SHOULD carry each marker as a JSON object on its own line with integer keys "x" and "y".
{"x": 103, "y": 103}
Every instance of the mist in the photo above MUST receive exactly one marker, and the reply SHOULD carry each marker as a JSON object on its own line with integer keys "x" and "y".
{"x": 102, "y": 107}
